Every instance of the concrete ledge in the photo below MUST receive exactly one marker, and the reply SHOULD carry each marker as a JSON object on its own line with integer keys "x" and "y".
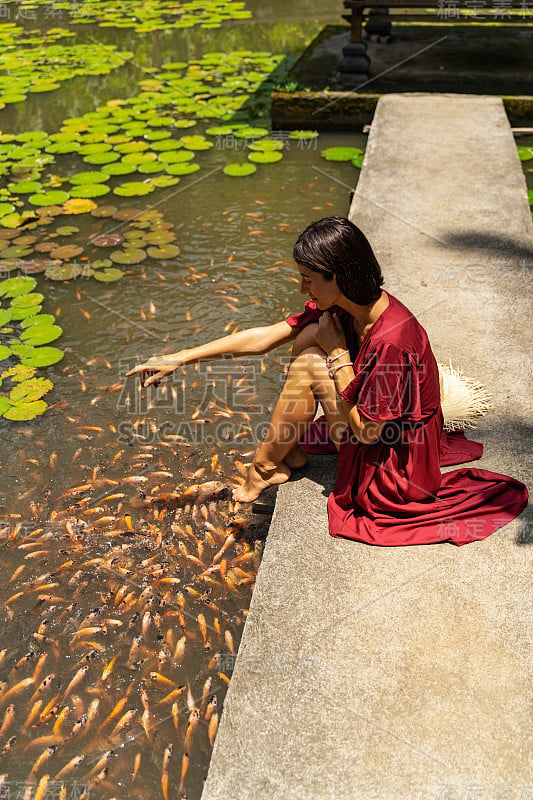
{"x": 404, "y": 673}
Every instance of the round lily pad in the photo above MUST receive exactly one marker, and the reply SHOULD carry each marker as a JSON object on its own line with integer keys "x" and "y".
{"x": 176, "y": 156}
{"x": 107, "y": 240}
{"x": 251, "y": 133}
{"x": 180, "y": 169}
{"x": 160, "y": 237}
{"x": 12, "y": 287}
{"x": 24, "y": 187}
{"x": 103, "y": 211}
{"x": 130, "y": 255}
{"x": 31, "y": 299}
{"x": 165, "y": 180}
{"x": 26, "y": 411}
{"x": 66, "y": 252}
{"x": 196, "y": 142}
{"x": 38, "y": 319}
{"x": 266, "y": 144}
{"x": 36, "y": 265}
{"x": 5, "y": 352}
{"x": 20, "y": 312}
{"x": 108, "y": 274}
{"x": 101, "y": 158}
{"x": 268, "y": 157}
{"x": 303, "y": 134}
{"x": 67, "y": 230}
{"x": 78, "y": 205}
{"x": 239, "y": 170}
{"x": 30, "y": 390}
{"x": 88, "y": 177}
{"x": 51, "y": 198}
{"x": 41, "y": 334}
{"x": 100, "y": 263}
{"x": 40, "y": 356}
{"x": 90, "y": 190}
{"x": 340, "y": 153}
{"x": 63, "y": 272}
{"x": 5, "y": 316}
{"x": 357, "y": 161}
{"x": 120, "y": 168}
{"x": 165, "y": 251}
{"x": 133, "y": 189}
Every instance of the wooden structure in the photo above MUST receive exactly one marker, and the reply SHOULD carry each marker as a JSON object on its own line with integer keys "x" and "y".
{"x": 443, "y": 11}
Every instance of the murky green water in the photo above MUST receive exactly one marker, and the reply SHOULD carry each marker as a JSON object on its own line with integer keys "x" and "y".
{"x": 148, "y": 600}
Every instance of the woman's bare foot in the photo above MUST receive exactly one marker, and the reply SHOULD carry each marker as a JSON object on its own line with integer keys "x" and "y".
{"x": 296, "y": 458}
{"x": 258, "y": 479}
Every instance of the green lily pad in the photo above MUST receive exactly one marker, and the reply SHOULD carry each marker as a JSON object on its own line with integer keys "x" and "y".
{"x": 133, "y": 189}
{"x": 26, "y": 412}
{"x": 24, "y": 187}
{"x": 90, "y": 190}
{"x": 16, "y": 220}
{"x": 181, "y": 169}
{"x": 176, "y": 156}
{"x": 31, "y": 299}
{"x": 196, "y": 143}
{"x": 30, "y": 390}
{"x": 266, "y": 144}
{"x": 340, "y": 153}
{"x": 52, "y": 198}
{"x": 12, "y": 287}
{"x": 5, "y": 352}
{"x": 108, "y": 274}
{"x": 267, "y": 157}
{"x": 239, "y": 170}
{"x": 63, "y": 272}
{"x": 67, "y": 230}
{"x": 525, "y": 153}
{"x": 165, "y": 251}
{"x": 130, "y": 255}
{"x": 5, "y": 316}
{"x": 303, "y": 134}
{"x": 165, "y": 180}
{"x": 21, "y": 312}
{"x": 357, "y": 161}
{"x": 88, "y": 177}
{"x": 251, "y": 133}
{"x": 38, "y": 319}
{"x": 41, "y": 334}
{"x": 6, "y": 208}
{"x": 4, "y": 404}
{"x": 120, "y": 168}
{"x": 40, "y": 356}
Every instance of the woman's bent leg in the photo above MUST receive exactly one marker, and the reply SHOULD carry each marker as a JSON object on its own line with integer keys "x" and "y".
{"x": 307, "y": 381}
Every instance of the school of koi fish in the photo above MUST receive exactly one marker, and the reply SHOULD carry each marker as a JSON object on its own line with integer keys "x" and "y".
{"x": 126, "y": 604}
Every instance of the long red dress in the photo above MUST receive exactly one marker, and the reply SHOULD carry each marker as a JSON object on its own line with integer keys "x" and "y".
{"x": 392, "y": 492}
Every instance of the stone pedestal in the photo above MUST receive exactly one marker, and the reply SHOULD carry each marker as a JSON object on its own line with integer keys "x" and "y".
{"x": 354, "y": 66}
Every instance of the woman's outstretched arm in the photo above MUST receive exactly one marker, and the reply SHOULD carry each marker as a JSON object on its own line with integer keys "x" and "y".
{"x": 254, "y": 341}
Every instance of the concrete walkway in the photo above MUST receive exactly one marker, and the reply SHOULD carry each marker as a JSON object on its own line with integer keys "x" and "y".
{"x": 369, "y": 673}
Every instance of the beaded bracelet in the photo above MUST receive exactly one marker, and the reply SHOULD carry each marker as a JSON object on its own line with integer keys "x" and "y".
{"x": 333, "y": 370}
{"x": 330, "y": 361}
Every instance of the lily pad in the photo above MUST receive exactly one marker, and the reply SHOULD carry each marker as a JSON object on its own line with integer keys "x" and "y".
{"x": 39, "y": 319}
{"x": 52, "y": 198}
{"x": 303, "y": 134}
{"x": 41, "y": 356}
{"x": 268, "y": 157}
{"x": 5, "y": 316}
{"x": 13, "y": 287}
{"x": 4, "y": 405}
{"x": 88, "y": 177}
{"x": 251, "y": 133}
{"x": 196, "y": 142}
{"x": 239, "y": 170}
{"x": 31, "y": 299}
{"x": 181, "y": 169}
{"x": 26, "y": 411}
{"x": 24, "y": 187}
{"x": 6, "y": 208}
{"x": 131, "y": 255}
{"x": 165, "y": 251}
{"x": 5, "y": 352}
{"x": 103, "y": 211}
{"x": 133, "y": 189}
{"x": 41, "y": 334}
{"x": 340, "y": 153}
{"x": 30, "y": 390}
{"x": 67, "y": 230}
{"x": 66, "y": 252}
{"x": 78, "y": 205}
{"x": 63, "y": 272}
{"x": 108, "y": 274}
{"x": 107, "y": 240}
{"x": 90, "y": 190}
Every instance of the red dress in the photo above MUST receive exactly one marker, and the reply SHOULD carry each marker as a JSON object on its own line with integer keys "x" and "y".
{"x": 392, "y": 492}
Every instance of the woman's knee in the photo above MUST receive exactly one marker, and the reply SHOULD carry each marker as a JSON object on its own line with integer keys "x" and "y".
{"x": 305, "y": 339}
{"x": 312, "y": 362}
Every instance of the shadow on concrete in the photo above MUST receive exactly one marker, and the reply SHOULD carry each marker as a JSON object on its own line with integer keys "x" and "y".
{"x": 481, "y": 240}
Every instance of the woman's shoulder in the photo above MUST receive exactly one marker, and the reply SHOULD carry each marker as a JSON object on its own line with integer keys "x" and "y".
{"x": 400, "y": 327}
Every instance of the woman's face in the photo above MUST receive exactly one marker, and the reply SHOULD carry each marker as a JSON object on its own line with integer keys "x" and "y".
{"x": 323, "y": 292}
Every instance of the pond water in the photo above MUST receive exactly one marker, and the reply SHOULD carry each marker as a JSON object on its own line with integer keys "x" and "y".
{"x": 121, "y": 616}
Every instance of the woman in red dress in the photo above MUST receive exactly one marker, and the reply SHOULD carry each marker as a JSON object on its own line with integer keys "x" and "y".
{"x": 361, "y": 353}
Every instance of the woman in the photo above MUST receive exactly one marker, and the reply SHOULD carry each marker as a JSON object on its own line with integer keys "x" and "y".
{"x": 361, "y": 353}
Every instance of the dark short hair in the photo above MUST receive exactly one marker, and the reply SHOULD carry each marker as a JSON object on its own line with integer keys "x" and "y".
{"x": 334, "y": 246}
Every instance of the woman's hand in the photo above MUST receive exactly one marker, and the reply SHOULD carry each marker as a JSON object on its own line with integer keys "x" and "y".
{"x": 329, "y": 334}
{"x": 155, "y": 369}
